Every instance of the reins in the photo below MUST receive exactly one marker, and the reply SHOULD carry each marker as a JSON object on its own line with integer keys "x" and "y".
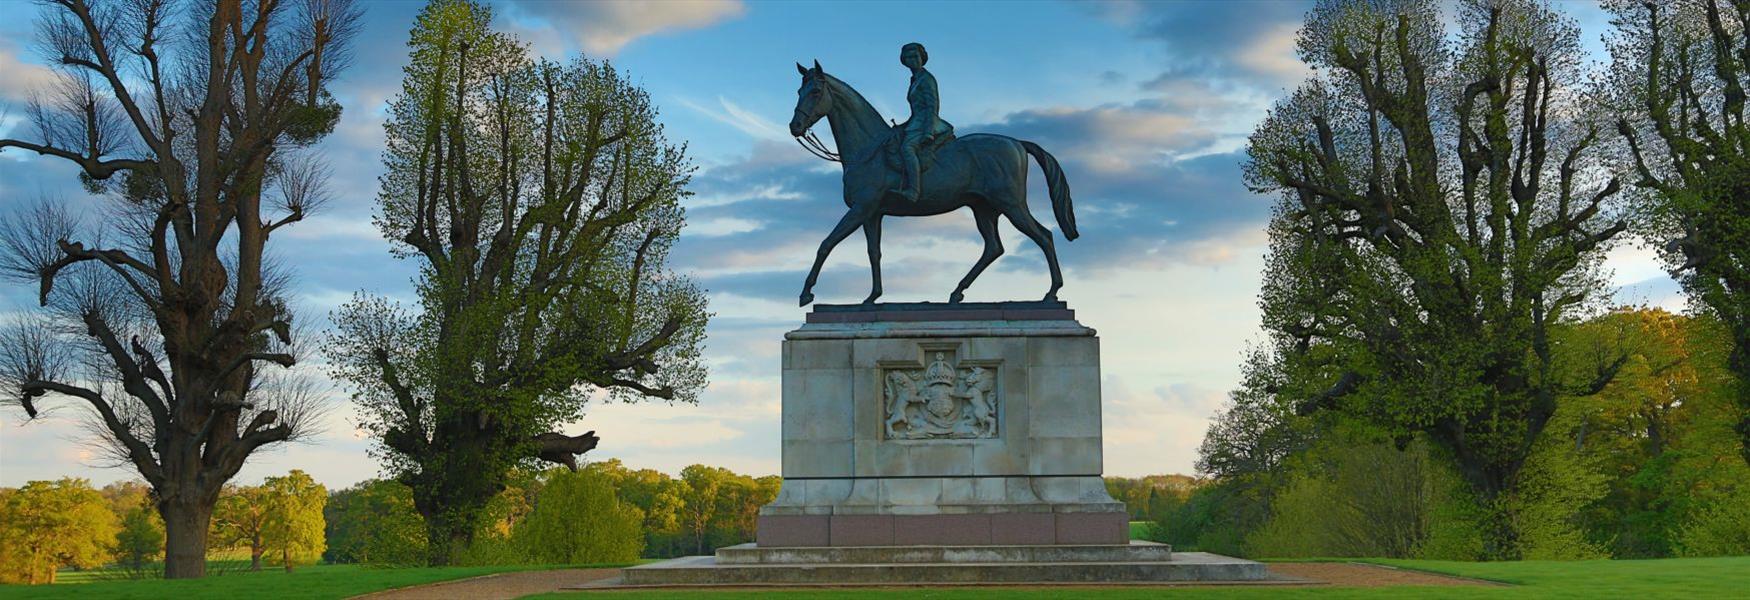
{"x": 814, "y": 146}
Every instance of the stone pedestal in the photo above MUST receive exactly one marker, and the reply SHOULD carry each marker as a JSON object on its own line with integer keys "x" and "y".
{"x": 968, "y": 424}
{"x": 943, "y": 444}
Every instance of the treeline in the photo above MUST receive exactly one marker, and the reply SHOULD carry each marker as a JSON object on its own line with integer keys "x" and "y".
{"x": 605, "y": 513}
{"x": 46, "y": 526}
{"x": 602, "y": 513}
{"x": 1647, "y": 467}
{"x": 1151, "y": 497}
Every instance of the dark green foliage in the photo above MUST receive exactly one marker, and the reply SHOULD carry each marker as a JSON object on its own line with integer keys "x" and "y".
{"x": 1434, "y": 230}
{"x": 1677, "y": 86}
{"x": 580, "y": 519}
{"x": 141, "y": 539}
{"x": 541, "y": 201}
{"x": 374, "y": 523}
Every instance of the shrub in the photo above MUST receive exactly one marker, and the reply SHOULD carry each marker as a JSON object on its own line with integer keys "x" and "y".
{"x": 580, "y": 519}
{"x": 1722, "y": 529}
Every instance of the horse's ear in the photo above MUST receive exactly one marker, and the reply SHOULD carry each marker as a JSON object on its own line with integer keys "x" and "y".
{"x": 817, "y": 65}
{"x": 801, "y": 69}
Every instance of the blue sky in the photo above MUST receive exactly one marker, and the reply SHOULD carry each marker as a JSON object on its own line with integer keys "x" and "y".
{"x": 1146, "y": 104}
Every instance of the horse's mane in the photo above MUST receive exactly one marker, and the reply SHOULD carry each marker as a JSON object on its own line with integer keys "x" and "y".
{"x": 853, "y": 93}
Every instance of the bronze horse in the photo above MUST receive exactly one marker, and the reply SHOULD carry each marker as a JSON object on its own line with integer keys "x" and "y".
{"x": 985, "y": 172}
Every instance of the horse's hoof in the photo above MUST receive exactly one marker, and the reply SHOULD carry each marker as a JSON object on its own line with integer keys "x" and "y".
{"x": 806, "y": 299}
{"x": 871, "y": 298}
{"x": 956, "y": 297}
{"x": 1050, "y": 297}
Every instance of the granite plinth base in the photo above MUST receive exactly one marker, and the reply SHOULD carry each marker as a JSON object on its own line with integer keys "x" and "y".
{"x": 1132, "y": 551}
{"x": 1135, "y": 562}
{"x": 972, "y": 529}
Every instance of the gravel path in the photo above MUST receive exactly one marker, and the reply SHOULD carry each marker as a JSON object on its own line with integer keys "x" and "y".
{"x": 501, "y": 586}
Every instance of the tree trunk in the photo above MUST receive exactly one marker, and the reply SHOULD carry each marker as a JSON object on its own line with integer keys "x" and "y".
{"x": 443, "y": 539}
{"x": 255, "y": 557}
{"x": 453, "y": 488}
{"x": 185, "y": 538}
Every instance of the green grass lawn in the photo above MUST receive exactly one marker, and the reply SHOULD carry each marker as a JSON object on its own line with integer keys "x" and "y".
{"x": 1638, "y": 579}
{"x": 1141, "y": 530}
{"x": 316, "y": 581}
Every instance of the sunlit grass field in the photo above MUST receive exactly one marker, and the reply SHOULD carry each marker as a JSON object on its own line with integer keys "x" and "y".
{"x": 1639, "y": 579}
{"x": 1687, "y": 578}
{"x": 235, "y": 581}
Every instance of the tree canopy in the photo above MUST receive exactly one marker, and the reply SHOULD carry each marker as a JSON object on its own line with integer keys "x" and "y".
{"x": 540, "y": 200}
{"x": 1443, "y": 209}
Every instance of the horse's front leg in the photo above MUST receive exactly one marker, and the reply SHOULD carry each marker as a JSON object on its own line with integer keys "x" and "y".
{"x": 872, "y": 233}
{"x": 847, "y": 224}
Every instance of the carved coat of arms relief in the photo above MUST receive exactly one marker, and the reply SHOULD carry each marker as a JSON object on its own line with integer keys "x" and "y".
{"x": 941, "y": 400}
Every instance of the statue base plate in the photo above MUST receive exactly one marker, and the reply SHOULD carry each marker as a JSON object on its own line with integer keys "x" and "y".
{"x": 1054, "y": 310}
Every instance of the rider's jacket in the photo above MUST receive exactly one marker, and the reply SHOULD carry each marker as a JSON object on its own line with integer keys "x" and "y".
{"x": 925, "y": 106}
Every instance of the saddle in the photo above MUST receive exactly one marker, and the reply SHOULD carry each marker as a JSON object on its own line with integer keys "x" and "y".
{"x": 926, "y": 150}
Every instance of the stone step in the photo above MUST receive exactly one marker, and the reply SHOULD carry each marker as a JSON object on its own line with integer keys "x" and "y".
{"x": 1185, "y": 567}
{"x": 1134, "y": 552}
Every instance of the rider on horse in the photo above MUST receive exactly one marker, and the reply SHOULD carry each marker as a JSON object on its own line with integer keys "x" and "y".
{"x": 925, "y": 125}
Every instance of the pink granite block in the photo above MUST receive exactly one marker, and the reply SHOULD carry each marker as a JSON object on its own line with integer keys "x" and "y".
{"x": 942, "y": 530}
{"x": 1093, "y": 528}
{"x": 862, "y": 530}
{"x": 1023, "y": 528}
{"x": 776, "y": 531}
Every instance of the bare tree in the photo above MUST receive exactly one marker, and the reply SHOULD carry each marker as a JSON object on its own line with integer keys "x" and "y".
{"x": 157, "y": 312}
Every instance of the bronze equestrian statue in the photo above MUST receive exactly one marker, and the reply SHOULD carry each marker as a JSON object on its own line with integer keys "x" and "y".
{"x": 985, "y": 172}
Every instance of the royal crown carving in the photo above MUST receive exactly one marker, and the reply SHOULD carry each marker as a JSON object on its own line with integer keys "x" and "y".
{"x": 941, "y": 400}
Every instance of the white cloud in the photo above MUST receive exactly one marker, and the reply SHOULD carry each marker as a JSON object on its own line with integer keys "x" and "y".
{"x": 734, "y": 115}
{"x": 1273, "y": 54}
{"x": 602, "y": 27}
{"x": 722, "y": 226}
{"x": 21, "y": 78}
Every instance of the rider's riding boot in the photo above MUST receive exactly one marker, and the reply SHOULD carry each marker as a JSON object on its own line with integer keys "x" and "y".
{"x": 908, "y": 187}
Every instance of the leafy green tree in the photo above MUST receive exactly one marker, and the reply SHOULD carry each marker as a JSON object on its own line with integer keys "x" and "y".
{"x": 540, "y": 200}
{"x": 580, "y": 520}
{"x": 140, "y": 540}
{"x": 658, "y": 496}
{"x": 1351, "y": 497}
{"x": 375, "y": 523}
{"x": 1659, "y": 434}
{"x": 160, "y": 306}
{"x": 1677, "y": 80}
{"x": 46, "y": 525}
{"x": 294, "y": 525}
{"x": 1440, "y": 202}
{"x": 699, "y": 505}
{"x": 1259, "y": 427}
{"x": 240, "y": 519}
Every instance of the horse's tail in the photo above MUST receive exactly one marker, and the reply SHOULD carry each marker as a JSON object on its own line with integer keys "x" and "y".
{"x": 1060, "y": 202}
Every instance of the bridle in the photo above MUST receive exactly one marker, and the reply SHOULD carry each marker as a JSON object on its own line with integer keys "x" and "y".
{"x": 808, "y": 140}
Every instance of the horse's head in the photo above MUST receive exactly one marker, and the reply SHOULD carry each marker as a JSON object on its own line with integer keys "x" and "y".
{"x": 813, "y": 99}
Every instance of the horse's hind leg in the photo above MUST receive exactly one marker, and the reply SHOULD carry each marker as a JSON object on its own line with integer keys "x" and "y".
{"x": 1023, "y": 220}
{"x": 993, "y": 247}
